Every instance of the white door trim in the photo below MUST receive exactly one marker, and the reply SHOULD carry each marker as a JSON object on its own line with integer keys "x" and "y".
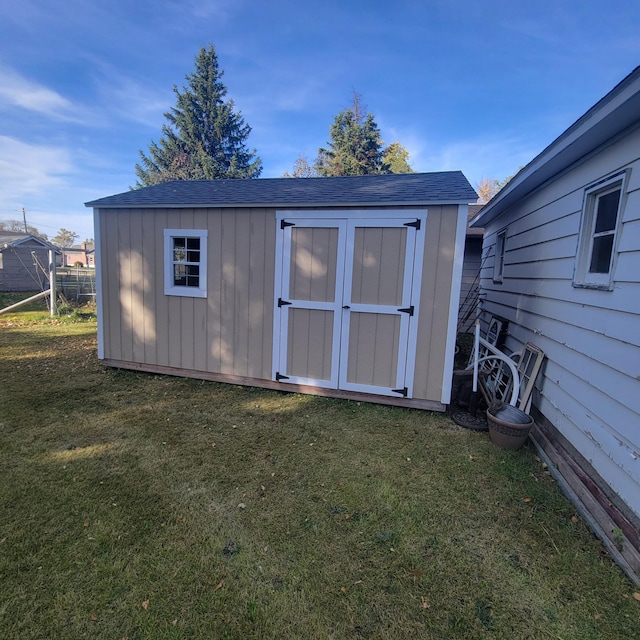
{"x": 282, "y": 292}
{"x": 346, "y": 221}
{"x": 404, "y": 374}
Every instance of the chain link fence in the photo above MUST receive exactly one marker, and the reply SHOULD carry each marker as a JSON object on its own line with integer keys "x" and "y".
{"x": 76, "y": 285}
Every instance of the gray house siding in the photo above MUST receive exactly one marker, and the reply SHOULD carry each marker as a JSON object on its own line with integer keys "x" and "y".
{"x": 590, "y": 387}
{"x": 470, "y": 286}
{"x": 470, "y": 283}
{"x": 562, "y": 247}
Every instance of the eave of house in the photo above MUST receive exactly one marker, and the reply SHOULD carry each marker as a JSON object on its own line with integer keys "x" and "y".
{"x": 618, "y": 111}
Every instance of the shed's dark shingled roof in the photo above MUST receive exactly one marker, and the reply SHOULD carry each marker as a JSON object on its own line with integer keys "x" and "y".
{"x": 411, "y": 188}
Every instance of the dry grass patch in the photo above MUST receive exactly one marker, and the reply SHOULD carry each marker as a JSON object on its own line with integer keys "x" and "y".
{"x": 140, "y": 506}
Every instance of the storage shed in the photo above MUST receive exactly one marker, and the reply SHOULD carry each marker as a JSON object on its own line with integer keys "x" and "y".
{"x": 347, "y": 287}
{"x": 18, "y": 268}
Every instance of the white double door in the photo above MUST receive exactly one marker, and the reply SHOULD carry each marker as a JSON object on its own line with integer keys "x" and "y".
{"x": 347, "y": 303}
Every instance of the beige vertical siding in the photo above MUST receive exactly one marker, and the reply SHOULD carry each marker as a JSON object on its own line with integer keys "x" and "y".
{"x": 435, "y": 300}
{"x": 229, "y": 331}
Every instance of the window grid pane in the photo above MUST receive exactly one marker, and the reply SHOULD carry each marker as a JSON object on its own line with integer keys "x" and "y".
{"x": 601, "y": 254}
{"x": 607, "y": 214}
{"x": 186, "y": 262}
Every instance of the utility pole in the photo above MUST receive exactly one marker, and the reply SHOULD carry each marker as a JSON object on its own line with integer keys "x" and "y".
{"x": 24, "y": 218}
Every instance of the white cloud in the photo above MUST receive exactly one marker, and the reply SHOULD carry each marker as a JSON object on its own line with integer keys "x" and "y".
{"x": 49, "y": 184}
{"x": 18, "y": 91}
{"x": 133, "y": 101}
{"x": 28, "y": 169}
{"x": 206, "y": 9}
{"x": 476, "y": 158}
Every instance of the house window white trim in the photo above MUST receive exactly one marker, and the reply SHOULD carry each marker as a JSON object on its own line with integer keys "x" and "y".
{"x": 498, "y": 261}
{"x": 185, "y": 252}
{"x": 599, "y": 232}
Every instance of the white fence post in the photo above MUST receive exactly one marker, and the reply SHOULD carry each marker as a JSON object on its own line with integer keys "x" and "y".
{"x": 52, "y": 283}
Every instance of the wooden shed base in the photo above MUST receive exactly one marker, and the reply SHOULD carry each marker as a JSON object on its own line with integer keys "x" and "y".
{"x": 245, "y": 381}
{"x": 612, "y": 523}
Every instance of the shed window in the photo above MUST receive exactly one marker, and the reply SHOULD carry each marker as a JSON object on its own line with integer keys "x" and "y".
{"x": 498, "y": 264}
{"x": 600, "y": 223}
{"x": 185, "y": 262}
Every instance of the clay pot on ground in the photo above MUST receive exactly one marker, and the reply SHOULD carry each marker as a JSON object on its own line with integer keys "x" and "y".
{"x": 509, "y": 427}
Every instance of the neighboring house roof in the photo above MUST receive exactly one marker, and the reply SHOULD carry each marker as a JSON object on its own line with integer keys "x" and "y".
{"x": 15, "y": 239}
{"x": 445, "y": 187}
{"x": 472, "y": 232}
{"x": 610, "y": 117}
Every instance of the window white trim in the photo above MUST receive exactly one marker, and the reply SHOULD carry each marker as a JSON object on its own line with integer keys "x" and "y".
{"x": 498, "y": 260}
{"x": 170, "y": 287}
{"x": 585, "y": 275}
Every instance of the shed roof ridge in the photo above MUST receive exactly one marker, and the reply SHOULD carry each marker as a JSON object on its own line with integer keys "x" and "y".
{"x": 417, "y": 188}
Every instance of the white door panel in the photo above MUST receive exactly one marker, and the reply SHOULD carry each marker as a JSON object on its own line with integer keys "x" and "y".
{"x": 346, "y": 309}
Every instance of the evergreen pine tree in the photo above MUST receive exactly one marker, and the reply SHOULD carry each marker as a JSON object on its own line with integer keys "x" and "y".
{"x": 205, "y": 138}
{"x": 355, "y": 148}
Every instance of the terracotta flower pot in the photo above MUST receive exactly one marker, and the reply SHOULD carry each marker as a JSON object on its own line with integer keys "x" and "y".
{"x": 509, "y": 428}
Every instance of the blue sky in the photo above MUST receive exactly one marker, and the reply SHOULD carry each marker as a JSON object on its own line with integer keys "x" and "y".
{"x": 480, "y": 86}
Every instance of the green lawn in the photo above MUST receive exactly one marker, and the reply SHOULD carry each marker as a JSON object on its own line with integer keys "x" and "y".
{"x": 140, "y": 506}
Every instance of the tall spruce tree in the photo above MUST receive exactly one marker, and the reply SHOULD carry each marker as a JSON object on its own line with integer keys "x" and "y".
{"x": 355, "y": 148}
{"x": 205, "y": 138}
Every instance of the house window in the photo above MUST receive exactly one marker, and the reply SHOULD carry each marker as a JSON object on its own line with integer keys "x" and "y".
{"x": 498, "y": 264}
{"x": 185, "y": 262}
{"x": 598, "y": 235}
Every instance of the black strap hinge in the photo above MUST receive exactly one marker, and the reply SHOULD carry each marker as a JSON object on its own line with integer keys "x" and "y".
{"x": 408, "y": 310}
{"x": 284, "y": 224}
{"x": 279, "y": 376}
{"x": 403, "y": 392}
{"x": 282, "y": 303}
{"x": 415, "y": 224}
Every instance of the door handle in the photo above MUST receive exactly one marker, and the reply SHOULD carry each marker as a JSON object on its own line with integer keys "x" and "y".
{"x": 346, "y": 306}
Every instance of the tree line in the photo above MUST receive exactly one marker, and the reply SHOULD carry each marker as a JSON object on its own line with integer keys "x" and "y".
{"x": 205, "y": 138}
